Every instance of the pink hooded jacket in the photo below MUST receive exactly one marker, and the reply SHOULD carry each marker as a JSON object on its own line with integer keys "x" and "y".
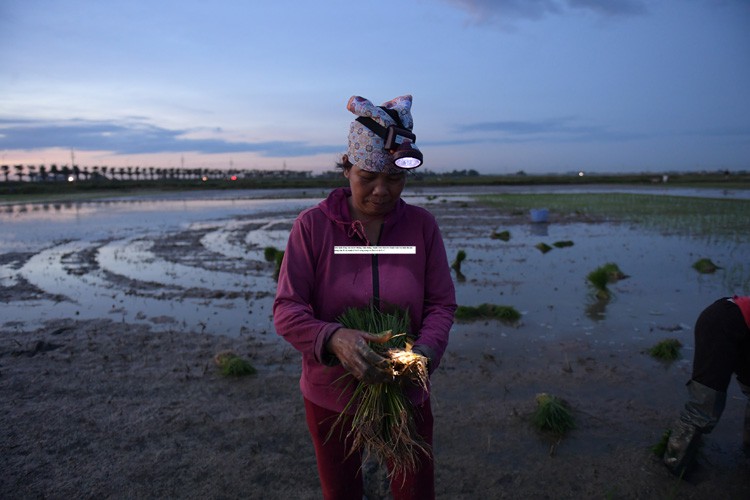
{"x": 316, "y": 286}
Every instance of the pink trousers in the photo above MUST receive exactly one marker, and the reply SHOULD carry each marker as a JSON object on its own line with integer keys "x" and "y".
{"x": 341, "y": 477}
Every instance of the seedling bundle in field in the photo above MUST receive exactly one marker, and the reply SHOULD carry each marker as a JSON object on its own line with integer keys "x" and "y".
{"x": 487, "y": 311}
{"x": 705, "y": 266}
{"x": 600, "y": 277}
{"x": 666, "y": 350}
{"x": 232, "y": 365}
{"x": 500, "y": 235}
{"x": 552, "y": 415}
{"x": 273, "y": 254}
{"x": 460, "y": 257}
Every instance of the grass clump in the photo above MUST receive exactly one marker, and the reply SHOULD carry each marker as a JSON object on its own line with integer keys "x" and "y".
{"x": 666, "y": 350}
{"x": 502, "y": 235}
{"x": 232, "y": 365}
{"x": 487, "y": 311}
{"x": 383, "y": 419}
{"x": 552, "y": 415}
{"x": 705, "y": 266}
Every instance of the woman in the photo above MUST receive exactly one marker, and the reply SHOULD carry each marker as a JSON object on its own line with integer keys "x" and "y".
{"x": 722, "y": 348}
{"x": 319, "y": 279}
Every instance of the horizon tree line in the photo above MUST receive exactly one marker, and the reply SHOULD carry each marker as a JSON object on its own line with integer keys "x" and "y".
{"x": 63, "y": 173}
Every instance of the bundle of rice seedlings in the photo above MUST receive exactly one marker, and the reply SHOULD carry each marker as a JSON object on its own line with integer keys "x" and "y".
{"x": 705, "y": 266}
{"x": 613, "y": 271}
{"x": 543, "y": 247}
{"x": 232, "y": 365}
{"x": 383, "y": 419}
{"x": 270, "y": 253}
{"x": 666, "y": 350}
{"x": 460, "y": 257}
{"x": 660, "y": 447}
{"x": 507, "y": 314}
{"x": 277, "y": 260}
{"x": 599, "y": 278}
{"x": 502, "y": 235}
{"x": 563, "y": 244}
{"x": 552, "y": 415}
{"x": 273, "y": 254}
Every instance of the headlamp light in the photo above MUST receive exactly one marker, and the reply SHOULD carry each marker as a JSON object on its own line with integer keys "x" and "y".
{"x": 400, "y": 142}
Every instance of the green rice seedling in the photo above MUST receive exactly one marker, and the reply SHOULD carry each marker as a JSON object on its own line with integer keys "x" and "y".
{"x": 552, "y": 415}
{"x": 502, "y": 235}
{"x": 460, "y": 257}
{"x": 278, "y": 259}
{"x": 666, "y": 350}
{"x": 232, "y": 365}
{"x": 543, "y": 247}
{"x": 660, "y": 447}
{"x": 705, "y": 266}
{"x": 563, "y": 244}
{"x": 613, "y": 272}
{"x": 270, "y": 253}
{"x": 599, "y": 278}
{"x": 507, "y": 314}
{"x": 383, "y": 417}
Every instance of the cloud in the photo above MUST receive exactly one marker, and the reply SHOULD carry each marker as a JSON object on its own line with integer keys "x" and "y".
{"x": 135, "y": 137}
{"x": 491, "y": 11}
{"x": 551, "y": 130}
{"x": 611, "y": 7}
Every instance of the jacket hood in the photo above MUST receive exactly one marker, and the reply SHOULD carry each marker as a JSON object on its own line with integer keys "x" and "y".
{"x": 336, "y": 208}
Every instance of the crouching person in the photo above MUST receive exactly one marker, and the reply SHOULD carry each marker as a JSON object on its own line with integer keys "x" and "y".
{"x": 722, "y": 348}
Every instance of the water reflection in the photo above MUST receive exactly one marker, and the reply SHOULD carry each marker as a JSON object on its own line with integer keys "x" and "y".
{"x": 192, "y": 263}
{"x": 538, "y": 229}
{"x": 597, "y": 308}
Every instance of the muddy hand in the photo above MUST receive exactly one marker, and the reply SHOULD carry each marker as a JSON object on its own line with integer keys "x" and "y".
{"x": 356, "y": 356}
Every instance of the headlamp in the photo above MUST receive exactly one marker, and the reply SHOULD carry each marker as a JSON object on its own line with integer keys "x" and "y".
{"x": 398, "y": 141}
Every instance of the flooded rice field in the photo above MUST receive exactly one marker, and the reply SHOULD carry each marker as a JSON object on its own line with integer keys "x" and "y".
{"x": 195, "y": 261}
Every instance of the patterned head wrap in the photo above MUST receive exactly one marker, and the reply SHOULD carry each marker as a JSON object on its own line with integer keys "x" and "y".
{"x": 365, "y": 146}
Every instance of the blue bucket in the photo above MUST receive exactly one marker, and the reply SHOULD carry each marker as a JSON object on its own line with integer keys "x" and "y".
{"x": 539, "y": 214}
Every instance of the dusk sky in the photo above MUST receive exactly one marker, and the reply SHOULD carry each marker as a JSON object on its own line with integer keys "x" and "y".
{"x": 499, "y": 85}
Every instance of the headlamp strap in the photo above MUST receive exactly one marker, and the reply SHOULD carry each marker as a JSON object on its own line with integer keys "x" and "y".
{"x": 374, "y": 126}
{"x": 394, "y": 116}
{"x": 378, "y": 128}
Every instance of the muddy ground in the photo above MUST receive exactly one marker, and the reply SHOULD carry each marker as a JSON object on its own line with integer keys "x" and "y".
{"x": 98, "y": 409}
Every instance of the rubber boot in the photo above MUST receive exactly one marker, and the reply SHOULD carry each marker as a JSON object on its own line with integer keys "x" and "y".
{"x": 699, "y": 416}
{"x": 746, "y": 428}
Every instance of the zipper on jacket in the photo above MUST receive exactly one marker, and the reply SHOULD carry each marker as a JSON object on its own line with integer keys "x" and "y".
{"x": 376, "y": 274}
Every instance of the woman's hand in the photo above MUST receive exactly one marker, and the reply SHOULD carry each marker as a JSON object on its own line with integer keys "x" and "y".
{"x": 351, "y": 349}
